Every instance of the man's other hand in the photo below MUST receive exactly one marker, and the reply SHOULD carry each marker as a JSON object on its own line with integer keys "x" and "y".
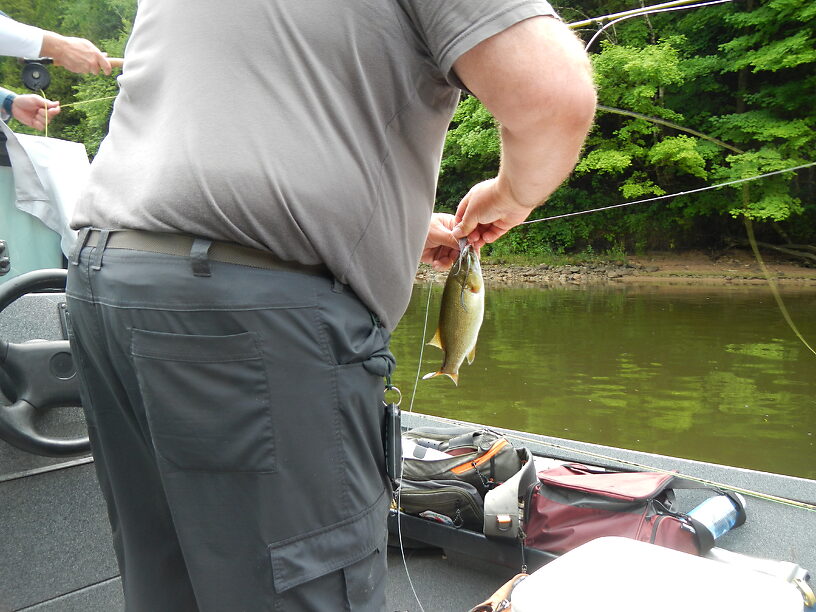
{"x": 441, "y": 248}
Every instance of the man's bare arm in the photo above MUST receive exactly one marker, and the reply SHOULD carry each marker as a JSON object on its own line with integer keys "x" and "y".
{"x": 536, "y": 80}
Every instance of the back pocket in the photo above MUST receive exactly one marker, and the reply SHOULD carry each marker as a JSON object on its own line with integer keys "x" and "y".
{"x": 207, "y": 400}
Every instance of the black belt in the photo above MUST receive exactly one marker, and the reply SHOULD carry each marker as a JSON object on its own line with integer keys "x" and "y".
{"x": 182, "y": 244}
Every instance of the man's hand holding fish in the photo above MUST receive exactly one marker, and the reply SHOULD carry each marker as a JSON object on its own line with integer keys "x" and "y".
{"x": 543, "y": 120}
{"x": 544, "y": 117}
{"x": 441, "y": 248}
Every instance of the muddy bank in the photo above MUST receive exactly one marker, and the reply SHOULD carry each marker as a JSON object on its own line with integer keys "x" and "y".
{"x": 731, "y": 268}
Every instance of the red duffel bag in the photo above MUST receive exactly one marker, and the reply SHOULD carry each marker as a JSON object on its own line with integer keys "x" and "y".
{"x": 574, "y": 503}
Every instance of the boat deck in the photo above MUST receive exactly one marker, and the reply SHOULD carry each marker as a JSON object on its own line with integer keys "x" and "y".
{"x": 454, "y": 581}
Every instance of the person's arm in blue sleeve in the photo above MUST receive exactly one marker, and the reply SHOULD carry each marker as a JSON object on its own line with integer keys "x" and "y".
{"x": 29, "y": 109}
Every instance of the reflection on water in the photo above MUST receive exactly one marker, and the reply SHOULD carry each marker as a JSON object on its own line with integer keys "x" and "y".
{"x": 702, "y": 373}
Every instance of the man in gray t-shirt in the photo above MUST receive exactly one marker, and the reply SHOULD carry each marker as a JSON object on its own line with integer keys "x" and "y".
{"x": 262, "y": 200}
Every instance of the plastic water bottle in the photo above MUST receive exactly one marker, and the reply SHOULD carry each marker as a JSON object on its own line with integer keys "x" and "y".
{"x": 718, "y": 514}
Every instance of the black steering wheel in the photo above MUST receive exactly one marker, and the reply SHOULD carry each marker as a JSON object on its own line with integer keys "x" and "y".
{"x": 41, "y": 376}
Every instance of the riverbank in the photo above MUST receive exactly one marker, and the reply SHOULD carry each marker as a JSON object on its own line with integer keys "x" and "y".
{"x": 732, "y": 267}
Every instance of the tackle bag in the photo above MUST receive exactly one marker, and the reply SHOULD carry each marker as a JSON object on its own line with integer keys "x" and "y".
{"x": 450, "y": 502}
{"x": 447, "y": 472}
{"x": 479, "y": 457}
{"x": 574, "y": 503}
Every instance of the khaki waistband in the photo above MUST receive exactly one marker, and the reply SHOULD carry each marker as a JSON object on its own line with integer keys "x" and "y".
{"x": 182, "y": 244}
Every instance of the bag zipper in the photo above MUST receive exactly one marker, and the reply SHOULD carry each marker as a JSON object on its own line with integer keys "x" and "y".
{"x": 492, "y": 452}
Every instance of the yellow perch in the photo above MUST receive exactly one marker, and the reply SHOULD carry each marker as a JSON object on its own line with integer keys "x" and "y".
{"x": 460, "y": 316}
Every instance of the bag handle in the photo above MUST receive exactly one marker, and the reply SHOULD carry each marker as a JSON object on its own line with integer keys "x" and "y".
{"x": 704, "y": 537}
{"x": 502, "y": 516}
{"x": 685, "y": 483}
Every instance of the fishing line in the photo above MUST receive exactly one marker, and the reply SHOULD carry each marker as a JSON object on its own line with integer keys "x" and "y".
{"x": 672, "y": 195}
{"x": 711, "y": 483}
{"x": 78, "y": 102}
{"x": 749, "y": 228}
{"x": 748, "y": 225}
{"x": 402, "y": 459}
{"x": 748, "y": 492}
{"x": 649, "y": 11}
{"x": 422, "y": 347}
{"x": 42, "y": 93}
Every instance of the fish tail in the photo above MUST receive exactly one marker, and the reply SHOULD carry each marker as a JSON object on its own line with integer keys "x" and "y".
{"x": 453, "y": 377}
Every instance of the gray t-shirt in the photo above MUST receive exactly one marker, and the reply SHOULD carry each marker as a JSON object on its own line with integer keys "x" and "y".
{"x": 310, "y": 128}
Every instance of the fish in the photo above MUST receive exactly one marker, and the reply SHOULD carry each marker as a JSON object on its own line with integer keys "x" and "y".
{"x": 460, "y": 315}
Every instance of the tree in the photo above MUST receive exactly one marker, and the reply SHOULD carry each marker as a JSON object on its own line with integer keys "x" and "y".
{"x": 739, "y": 75}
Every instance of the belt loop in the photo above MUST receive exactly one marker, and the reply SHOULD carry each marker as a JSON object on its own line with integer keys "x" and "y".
{"x": 199, "y": 258}
{"x": 82, "y": 238}
{"x": 337, "y": 286}
{"x": 101, "y": 244}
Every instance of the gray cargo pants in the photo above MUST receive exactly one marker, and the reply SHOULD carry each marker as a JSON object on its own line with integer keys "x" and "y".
{"x": 235, "y": 421}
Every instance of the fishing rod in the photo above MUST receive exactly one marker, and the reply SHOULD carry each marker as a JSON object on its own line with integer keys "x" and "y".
{"x": 650, "y": 11}
{"x": 630, "y": 13}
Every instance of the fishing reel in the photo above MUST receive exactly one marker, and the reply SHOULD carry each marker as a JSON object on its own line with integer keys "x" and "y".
{"x": 35, "y": 75}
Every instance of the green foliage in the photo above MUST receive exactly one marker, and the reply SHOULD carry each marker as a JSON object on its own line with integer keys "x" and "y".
{"x": 471, "y": 152}
{"x": 742, "y": 73}
{"x": 631, "y": 78}
{"x": 93, "y": 96}
{"x": 611, "y": 161}
{"x": 680, "y": 154}
{"x": 107, "y": 24}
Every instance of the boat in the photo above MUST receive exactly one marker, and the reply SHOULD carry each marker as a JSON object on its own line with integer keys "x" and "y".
{"x": 55, "y": 550}
{"x": 774, "y": 529}
{"x": 56, "y": 553}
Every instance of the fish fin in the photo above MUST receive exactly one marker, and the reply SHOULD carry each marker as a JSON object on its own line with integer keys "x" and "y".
{"x": 471, "y": 355}
{"x": 436, "y": 340}
{"x": 453, "y": 377}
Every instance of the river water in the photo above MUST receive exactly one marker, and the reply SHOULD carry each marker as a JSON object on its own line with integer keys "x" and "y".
{"x": 713, "y": 374}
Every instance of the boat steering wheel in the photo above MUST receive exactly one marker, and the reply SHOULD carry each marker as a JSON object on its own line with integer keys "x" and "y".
{"x": 40, "y": 376}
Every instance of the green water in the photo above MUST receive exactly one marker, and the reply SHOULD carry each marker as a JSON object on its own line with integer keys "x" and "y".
{"x": 708, "y": 374}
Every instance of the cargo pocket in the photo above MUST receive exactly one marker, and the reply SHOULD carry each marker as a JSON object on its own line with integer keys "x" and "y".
{"x": 207, "y": 400}
{"x": 341, "y": 546}
{"x": 365, "y": 581}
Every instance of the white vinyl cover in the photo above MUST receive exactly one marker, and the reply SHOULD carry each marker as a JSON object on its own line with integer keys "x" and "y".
{"x": 48, "y": 176}
{"x": 616, "y": 574}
